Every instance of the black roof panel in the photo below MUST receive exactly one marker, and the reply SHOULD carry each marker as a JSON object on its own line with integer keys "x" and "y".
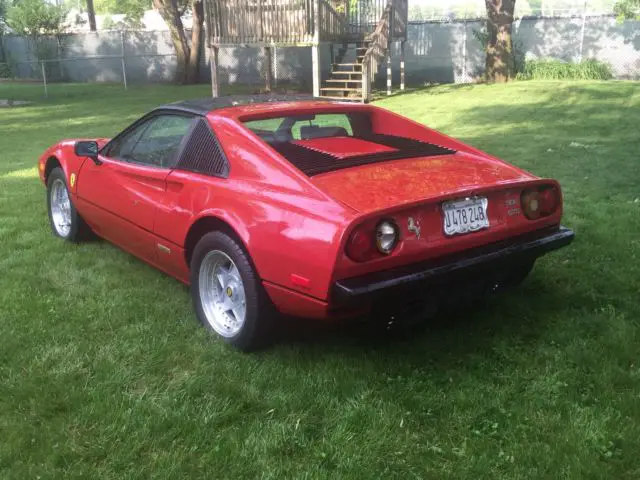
{"x": 202, "y": 106}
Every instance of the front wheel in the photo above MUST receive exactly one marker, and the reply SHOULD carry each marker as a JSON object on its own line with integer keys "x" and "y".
{"x": 65, "y": 220}
{"x": 227, "y": 294}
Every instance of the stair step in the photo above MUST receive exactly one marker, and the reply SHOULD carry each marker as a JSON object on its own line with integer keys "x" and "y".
{"x": 342, "y": 72}
{"x": 340, "y": 89}
{"x": 343, "y": 99}
{"x": 347, "y": 64}
{"x": 343, "y": 80}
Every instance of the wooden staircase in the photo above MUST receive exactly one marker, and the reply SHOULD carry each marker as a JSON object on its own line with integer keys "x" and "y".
{"x": 353, "y": 71}
{"x": 345, "y": 82}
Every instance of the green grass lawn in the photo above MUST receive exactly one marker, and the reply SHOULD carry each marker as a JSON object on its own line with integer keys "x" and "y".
{"x": 105, "y": 372}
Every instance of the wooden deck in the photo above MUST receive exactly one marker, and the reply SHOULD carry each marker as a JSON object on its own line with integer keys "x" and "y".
{"x": 299, "y": 22}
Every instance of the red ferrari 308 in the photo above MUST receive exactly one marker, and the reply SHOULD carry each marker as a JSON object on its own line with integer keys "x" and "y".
{"x": 304, "y": 207}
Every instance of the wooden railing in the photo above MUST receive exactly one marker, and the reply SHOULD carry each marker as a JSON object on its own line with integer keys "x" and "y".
{"x": 400, "y": 18}
{"x": 363, "y": 16}
{"x": 333, "y": 25}
{"x": 260, "y": 21}
{"x": 294, "y": 21}
{"x": 376, "y": 52}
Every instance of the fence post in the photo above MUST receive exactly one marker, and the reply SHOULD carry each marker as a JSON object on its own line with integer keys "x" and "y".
{"x": 124, "y": 65}
{"x": 44, "y": 79}
{"x": 464, "y": 48}
{"x": 584, "y": 21}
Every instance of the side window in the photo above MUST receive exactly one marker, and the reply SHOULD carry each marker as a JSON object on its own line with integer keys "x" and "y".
{"x": 123, "y": 147}
{"x": 155, "y": 142}
{"x": 160, "y": 142}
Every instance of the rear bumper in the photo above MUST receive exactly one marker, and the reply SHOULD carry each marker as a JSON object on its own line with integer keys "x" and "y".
{"x": 474, "y": 263}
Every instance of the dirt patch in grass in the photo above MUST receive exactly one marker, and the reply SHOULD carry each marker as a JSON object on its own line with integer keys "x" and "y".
{"x": 5, "y": 103}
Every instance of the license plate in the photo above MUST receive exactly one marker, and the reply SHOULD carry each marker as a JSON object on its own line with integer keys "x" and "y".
{"x": 463, "y": 216}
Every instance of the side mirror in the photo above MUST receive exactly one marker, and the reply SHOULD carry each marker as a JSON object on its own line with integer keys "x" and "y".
{"x": 87, "y": 149}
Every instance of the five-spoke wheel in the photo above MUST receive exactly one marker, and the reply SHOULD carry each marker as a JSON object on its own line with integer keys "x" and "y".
{"x": 65, "y": 221}
{"x": 222, "y": 293}
{"x": 227, "y": 294}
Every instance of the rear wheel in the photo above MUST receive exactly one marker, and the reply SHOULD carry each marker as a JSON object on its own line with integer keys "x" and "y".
{"x": 227, "y": 294}
{"x": 65, "y": 220}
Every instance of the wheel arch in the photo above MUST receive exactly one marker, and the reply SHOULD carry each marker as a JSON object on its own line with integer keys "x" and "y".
{"x": 205, "y": 225}
{"x": 51, "y": 163}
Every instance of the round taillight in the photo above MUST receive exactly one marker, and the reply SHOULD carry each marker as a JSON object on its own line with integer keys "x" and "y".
{"x": 549, "y": 200}
{"x": 360, "y": 246}
{"x": 530, "y": 202}
{"x": 387, "y": 236}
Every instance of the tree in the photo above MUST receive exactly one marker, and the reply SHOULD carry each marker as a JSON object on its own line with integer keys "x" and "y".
{"x": 4, "y": 7}
{"x": 187, "y": 54}
{"x": 91, "y": 13}
{"x": 500, "y": 61}
{"x": 36, "y": 17}
{"x": 133, "y": 10}
{"x": 627, "y": 9}
{"x": 415, "y": 13}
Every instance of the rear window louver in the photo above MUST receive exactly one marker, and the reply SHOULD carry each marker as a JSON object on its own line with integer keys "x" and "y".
{"x": 313, "y": 162}
{"x": 203, "y": 153}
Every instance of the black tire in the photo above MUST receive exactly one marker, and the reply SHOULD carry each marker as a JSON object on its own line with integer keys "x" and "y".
{"x": 78, "y": 230}
{"x": 260, "y": 312}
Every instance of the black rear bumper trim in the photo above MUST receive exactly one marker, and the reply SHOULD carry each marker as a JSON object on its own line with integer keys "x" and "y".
{"x": 504, "y": 253}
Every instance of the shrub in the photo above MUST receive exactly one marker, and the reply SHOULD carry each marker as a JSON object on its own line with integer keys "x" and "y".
{"x": 559, "y": 70}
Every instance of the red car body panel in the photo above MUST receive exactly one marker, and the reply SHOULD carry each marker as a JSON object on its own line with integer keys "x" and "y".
{"x": 295, "y": 227}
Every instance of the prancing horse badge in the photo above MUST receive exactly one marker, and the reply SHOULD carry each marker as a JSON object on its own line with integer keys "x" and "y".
{"x": 414, "y": 226}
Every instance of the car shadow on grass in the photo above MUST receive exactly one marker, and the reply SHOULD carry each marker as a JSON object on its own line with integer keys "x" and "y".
{"x": 519, "y": 315}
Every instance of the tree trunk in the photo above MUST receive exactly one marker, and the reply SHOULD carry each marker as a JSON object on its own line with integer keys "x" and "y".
{"x": 91, "y": 13}
{"x": 170, "y": 13}
{"x": 500, "y": 62}
{"x": 193, "y": 68}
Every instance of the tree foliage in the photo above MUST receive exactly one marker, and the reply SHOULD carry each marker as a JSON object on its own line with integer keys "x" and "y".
{"x": 36, "y": 17}
{"x": 627, "y": 9}
{"x": 133, "y": 10}
{"x": 4, "y": 8}
{"x": 415, "y": 13}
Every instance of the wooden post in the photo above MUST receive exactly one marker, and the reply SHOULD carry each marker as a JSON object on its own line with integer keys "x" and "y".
{"x": 315, "y": 60}
{"x": 315, "y": 48}
{"x": 213, "y": 62}
{"x": 388, "y": 70}
{"x": 402, "y": 65}
{"x": 366, "y": 80}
